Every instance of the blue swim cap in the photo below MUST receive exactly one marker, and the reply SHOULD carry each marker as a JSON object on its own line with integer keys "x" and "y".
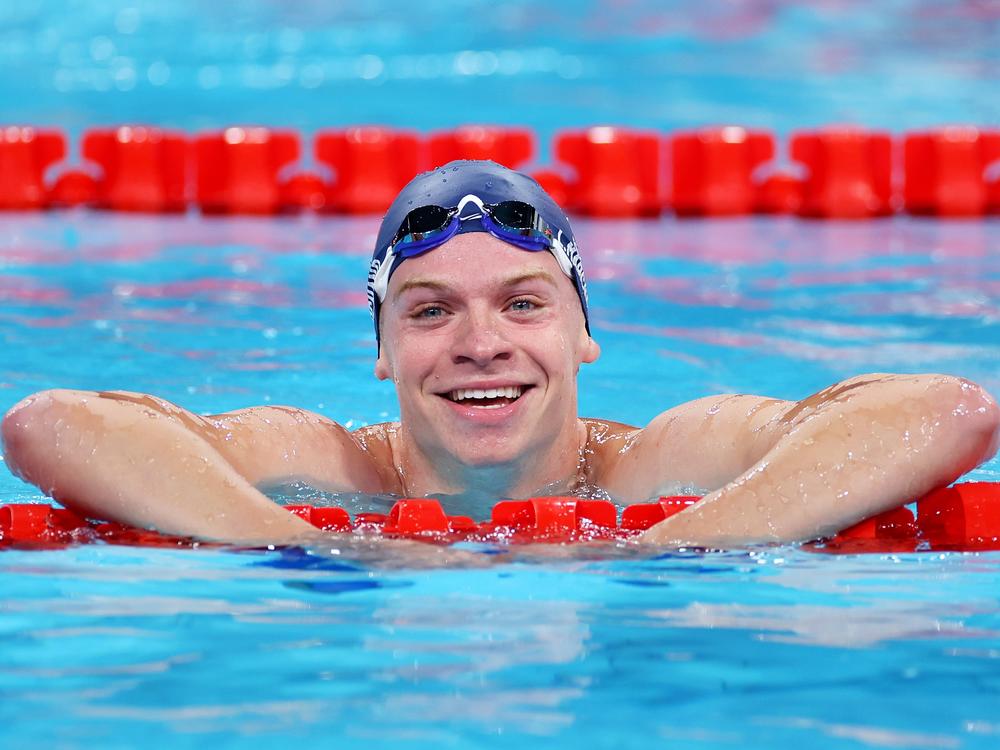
{"x": 471, "y": 196}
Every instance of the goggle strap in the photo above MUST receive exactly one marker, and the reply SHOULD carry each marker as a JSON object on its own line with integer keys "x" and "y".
{"x": 380, "y": 279}
{"x": 558, "y": 250}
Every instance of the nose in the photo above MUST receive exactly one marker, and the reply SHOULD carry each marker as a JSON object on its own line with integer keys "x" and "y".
{"x": 480, "y": 340}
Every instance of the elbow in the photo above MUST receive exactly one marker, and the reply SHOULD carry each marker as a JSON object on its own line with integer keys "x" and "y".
{"x": 21, "y": 428}
{"x": 988, "y": 421}
{"x": 29, "y": 431}
{"x": 972, "y": 415}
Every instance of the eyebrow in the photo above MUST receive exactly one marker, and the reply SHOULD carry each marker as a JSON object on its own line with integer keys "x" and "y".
{"x": 439, "y": 286}
{"x": 419, "y": 283}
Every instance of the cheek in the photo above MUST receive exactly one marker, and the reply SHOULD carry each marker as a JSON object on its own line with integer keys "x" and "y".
{"x": 567, "y": 350}
{"x": 554, "y": 353}
{"x": 411, "y": 360}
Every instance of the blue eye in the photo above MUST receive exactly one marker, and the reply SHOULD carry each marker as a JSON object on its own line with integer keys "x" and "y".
{"x": 523, "y": 305}
{"x": 430, "y": 312}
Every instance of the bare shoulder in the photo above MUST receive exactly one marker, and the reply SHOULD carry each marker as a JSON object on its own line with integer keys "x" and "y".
{"x": 607, "y": 445}
{"x": 301, "y": 444}
{"x": 606, "y": 438}
{"x": 698, "y": 445}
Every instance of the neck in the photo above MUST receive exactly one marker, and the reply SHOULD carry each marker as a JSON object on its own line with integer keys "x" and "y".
{"x": 557, "y": 469}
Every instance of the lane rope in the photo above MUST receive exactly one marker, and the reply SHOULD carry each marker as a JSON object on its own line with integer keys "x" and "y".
{"x": 832, "y": 172}
{"x": 965, "y": 517}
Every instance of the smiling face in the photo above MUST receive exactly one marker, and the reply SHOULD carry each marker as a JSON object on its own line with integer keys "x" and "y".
{"x": 483, "y": 341}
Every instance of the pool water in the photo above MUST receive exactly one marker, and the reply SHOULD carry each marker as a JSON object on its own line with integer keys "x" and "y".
{"x": 591, "y": 646}
{"x": 662, "y": 64}
{"x": 594, "y": 647}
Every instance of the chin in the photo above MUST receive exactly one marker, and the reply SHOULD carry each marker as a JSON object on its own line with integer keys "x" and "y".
{"x": 486, "y": 456}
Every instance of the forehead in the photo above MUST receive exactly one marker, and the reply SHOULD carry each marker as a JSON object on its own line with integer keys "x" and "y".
{"x": 475, "y": 261}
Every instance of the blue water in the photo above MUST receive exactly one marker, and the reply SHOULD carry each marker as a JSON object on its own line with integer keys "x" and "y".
{"x": 779, "y": 649}
{"x": 900, "y": 64}
{"x": 598, "y": 647}
{"x": 114, "y": 647}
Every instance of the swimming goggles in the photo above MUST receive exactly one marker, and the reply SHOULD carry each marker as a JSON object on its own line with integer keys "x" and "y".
{"x": 515, "y": 222}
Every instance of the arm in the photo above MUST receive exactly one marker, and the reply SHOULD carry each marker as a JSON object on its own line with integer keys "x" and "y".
{"x": 148, "y": 463}
{"x": 786, "y": 471}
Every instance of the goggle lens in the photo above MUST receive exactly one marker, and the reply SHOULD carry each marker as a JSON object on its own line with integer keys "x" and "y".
{"x": 515, "y": 215}
{"x": 422, "y": 221}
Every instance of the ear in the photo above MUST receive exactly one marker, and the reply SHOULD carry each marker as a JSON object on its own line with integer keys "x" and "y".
{"x": 590, "y": 350}
{"x": 383, "y": 370}
{"x": 383, "y": 367}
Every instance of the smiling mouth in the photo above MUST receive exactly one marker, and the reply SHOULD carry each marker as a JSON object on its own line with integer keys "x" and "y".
{"x": 486, "y": 398}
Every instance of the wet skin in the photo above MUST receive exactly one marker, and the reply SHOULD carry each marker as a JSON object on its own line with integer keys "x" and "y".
{"x": 479, "y": 315}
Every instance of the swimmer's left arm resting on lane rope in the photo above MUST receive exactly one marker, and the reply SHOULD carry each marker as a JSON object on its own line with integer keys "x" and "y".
{"x": 856, "y": 449}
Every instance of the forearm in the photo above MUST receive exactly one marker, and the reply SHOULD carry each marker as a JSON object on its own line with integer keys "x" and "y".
{"x": 127, "y": 462}
{"x": 844, "y": 458}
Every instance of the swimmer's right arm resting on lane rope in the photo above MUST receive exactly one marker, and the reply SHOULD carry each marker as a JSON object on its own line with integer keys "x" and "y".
{"x": 804, "y": 470}
{"x": 148, "y": 463}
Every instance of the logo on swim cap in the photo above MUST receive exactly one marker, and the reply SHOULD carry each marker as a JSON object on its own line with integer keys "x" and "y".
{"x": 372, "y": 273}
{"x": 577, "y": 261}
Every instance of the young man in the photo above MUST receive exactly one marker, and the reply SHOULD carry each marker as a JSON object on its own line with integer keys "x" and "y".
{"x": 480, "y": 309}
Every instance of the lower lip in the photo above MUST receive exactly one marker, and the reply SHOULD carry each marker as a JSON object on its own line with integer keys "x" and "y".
{"x": 486, "y": 415}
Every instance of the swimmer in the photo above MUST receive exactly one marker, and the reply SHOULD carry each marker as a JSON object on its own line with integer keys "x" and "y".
{"x": 481, "y": 317}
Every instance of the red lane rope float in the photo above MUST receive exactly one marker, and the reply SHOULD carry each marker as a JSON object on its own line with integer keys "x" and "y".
{"x": 965, "y": 517}
{"x": 237, "y": 169}
{"x": 849, "y": 173}
{"x": 946, "y": 172}
{"x": 617, "y": 171}
{"x": 371, "y": 165}
{"x": 512, "y": 147}
{"x": 142, "y": 169}
{"x": 713, "y": 172}
{"x": 840, "y": 172}
{"x": 25, "y": 155}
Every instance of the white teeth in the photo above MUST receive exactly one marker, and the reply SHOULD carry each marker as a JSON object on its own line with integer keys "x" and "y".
{"x": 511, "y": 391}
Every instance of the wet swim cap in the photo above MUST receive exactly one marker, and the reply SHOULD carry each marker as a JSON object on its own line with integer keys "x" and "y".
{"x": 471, "y": 196}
